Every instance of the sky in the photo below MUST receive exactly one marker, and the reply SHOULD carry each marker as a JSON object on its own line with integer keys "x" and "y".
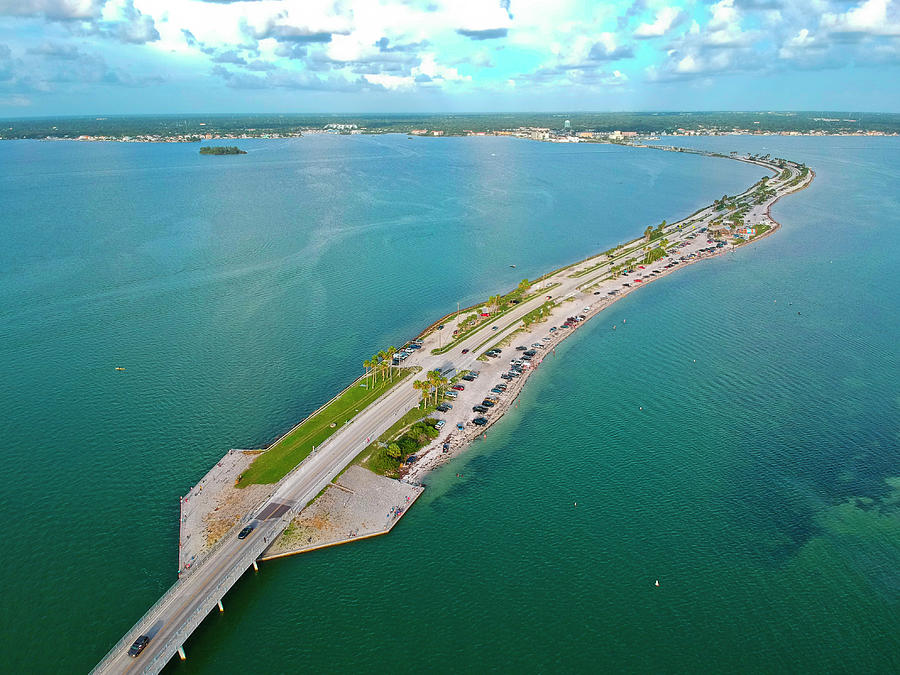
{"x": 85, "y": 57}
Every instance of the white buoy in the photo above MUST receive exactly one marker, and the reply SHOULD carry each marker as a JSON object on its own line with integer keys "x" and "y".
{"x": 657, "y": 583}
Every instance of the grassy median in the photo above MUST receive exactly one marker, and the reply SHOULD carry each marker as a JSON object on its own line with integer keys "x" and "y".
{"x": 292, "y": 448}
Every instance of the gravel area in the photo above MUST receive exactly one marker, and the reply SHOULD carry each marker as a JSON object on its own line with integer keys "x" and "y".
{"x": 214, "y": 505}
{"x": 360, "y": 504}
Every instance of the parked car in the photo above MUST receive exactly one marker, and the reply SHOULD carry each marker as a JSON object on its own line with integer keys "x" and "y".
{"x": 458, "y": 387}
{"x": 138, "y": 646}
{"x": 451, "y": 393}
{"x": 521, "y": 348}
{"x": 479, "y": 409}
{"x": 468, "y": 378}
{"x": 440, "y": 424}
{"x": 480, "y": 421}
{"x": 487, "y": 404}
{"x": 444, "y": 407}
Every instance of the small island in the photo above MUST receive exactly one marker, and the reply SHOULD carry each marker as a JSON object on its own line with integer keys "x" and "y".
{"x": 221, "y": 150}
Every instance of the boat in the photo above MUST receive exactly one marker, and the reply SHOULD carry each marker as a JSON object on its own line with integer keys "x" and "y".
{"x": 118, "y": 368}
{"x": 513, "y": 266}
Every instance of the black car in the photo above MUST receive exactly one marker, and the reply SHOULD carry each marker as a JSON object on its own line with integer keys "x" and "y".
{"x": 468, "y": 378}
{"x": 501, "y": 386}
{"x": 138, "y": 646}
{"x": 480, "y": 421}
{"x": 245, "y": 532}
{"x": 487, "y": 404}
{"x": 443, "y": 407}
{"x": 506, "y": 376}
{"x": 497, "y": 390}
{"x": 521, "y": 348}
{"x": 530, "y": 352}
{"x": 465, "y": 351}
{"x": 479, "y": 408}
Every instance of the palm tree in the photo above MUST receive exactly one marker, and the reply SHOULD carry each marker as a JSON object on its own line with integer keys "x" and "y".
{"x": 382, "y": 358}
{"x": 374, "y": 368}
{"x": 390, "y": 353}
{"x": 367, "y": 364}
{"x": 436, "y": 380}
{"x": 431, "y": 380}
{"x": 423, "y": 387}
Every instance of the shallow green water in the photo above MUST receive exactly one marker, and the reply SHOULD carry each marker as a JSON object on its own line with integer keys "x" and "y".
{"x": 753, "y": 484}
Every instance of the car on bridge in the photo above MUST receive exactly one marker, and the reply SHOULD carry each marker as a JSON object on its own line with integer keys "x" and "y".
{"x": 243, "y": 534}
{"x": 138, "y": 646}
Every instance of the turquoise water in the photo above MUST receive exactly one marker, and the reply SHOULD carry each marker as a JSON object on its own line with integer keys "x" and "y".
{"x": 240, "y": 292}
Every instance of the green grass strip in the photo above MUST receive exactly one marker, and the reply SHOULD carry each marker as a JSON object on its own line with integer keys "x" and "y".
{"x": 292, "y": 448}
{"x": 489, "y": 321}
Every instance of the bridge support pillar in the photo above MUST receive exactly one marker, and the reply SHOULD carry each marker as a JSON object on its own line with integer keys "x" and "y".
{"x": 255, "y": 567}
{"x": 181, "y": 653}
{"x": 221, "y": 608}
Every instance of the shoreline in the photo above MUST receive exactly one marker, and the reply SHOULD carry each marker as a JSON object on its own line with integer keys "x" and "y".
{"x": 433, "y": 455}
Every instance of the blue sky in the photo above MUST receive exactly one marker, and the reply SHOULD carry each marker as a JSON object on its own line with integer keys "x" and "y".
{"x": 60, "y": 57}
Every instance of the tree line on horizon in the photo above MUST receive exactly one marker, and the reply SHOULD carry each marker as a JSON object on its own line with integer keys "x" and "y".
{"x": 263, "y": 124}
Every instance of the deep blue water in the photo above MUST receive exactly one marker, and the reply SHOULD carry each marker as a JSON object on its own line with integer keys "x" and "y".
{"x": 241, "y": 292}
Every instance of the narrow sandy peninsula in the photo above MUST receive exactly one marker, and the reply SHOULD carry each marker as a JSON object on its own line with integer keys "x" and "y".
{"x": 419, "y": 406}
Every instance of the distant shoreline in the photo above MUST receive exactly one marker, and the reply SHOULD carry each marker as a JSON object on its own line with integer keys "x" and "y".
{"x": 318, "y": 132}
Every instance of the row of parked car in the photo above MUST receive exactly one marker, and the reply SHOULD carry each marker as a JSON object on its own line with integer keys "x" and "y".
{"x": 407, "y": 351}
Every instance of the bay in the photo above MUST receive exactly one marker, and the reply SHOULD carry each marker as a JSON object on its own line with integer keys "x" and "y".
{"x": 241, "y": 292}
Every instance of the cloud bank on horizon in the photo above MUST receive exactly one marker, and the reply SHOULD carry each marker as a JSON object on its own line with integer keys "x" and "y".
{"x": 134, "y": 56}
